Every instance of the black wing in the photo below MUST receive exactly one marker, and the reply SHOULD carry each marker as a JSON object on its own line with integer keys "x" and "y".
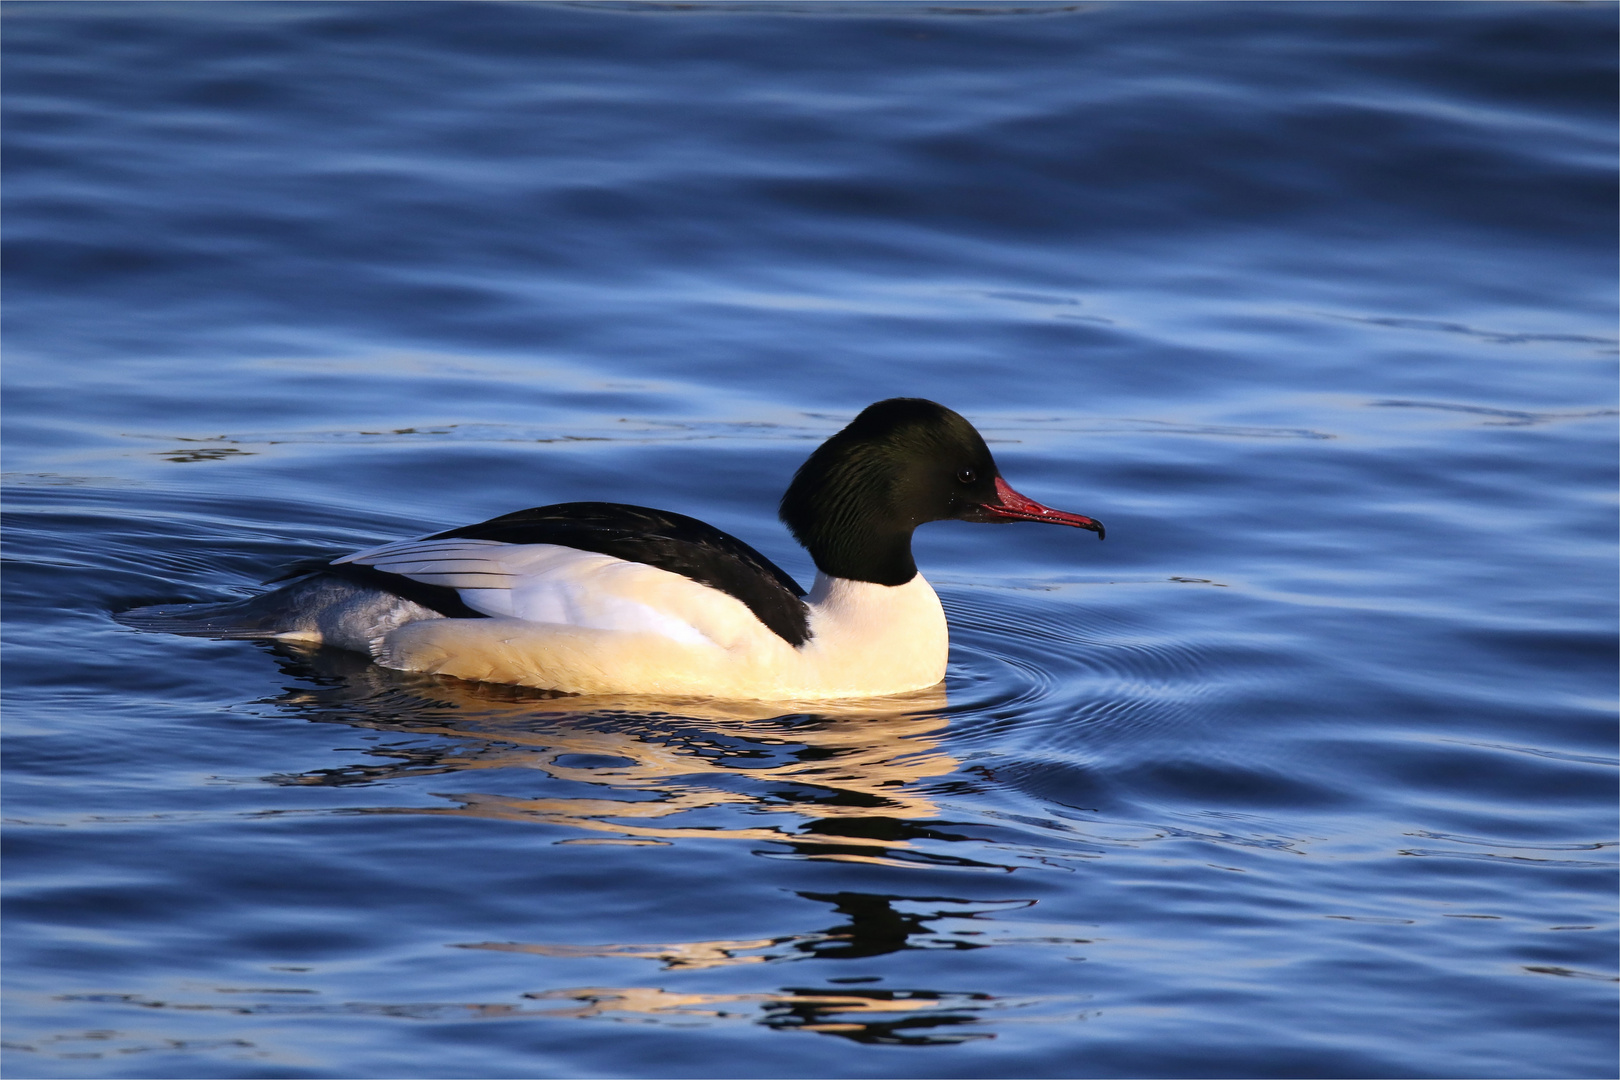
{"x": 672, "y": 542}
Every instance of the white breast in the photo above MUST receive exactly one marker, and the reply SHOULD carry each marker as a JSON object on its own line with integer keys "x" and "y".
{"x": 866, "y": 636}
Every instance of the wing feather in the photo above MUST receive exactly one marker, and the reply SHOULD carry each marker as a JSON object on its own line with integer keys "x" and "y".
{"x": 603, "y": 565}
{"x": 549, "y": 583}
{"x": 451, "y": 564}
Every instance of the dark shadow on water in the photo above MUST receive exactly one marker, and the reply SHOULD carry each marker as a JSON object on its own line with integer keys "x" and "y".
{"x": 898, "y": 1017}
{"x": 874, "y": 926}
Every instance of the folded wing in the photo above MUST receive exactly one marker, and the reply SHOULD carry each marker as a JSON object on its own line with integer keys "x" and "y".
{"x": 549, "y": 583}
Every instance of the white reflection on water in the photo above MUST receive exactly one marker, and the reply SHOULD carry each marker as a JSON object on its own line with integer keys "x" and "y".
{"x": 850, "y": 776}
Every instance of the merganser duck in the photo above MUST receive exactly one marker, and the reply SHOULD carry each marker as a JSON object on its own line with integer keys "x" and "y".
{"x": 606, "y": 598}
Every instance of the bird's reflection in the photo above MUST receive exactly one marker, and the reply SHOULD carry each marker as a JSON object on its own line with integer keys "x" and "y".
{"x": 902, "y": 1017}
{"x": 874, "y": 926}
{"x": 880, "y": 1017}
{"x": 837, "y": 780}
{"x": 845, "y": 781}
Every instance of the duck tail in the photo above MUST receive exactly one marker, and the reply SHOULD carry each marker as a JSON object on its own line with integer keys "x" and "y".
{"x": 236, "y": 619}
{"x": 290, "y": 609}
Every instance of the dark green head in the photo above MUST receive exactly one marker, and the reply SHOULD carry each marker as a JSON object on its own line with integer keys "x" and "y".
{"x": 900, "y": 463}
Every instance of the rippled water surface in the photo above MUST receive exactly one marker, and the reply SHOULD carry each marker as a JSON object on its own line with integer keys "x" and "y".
{"x": 1309, "y": 770}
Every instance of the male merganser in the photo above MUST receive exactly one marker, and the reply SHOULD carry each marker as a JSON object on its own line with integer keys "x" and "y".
{"x": 593, "y": 598}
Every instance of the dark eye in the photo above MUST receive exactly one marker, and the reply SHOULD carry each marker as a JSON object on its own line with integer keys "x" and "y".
{"x": 967, "y": 476}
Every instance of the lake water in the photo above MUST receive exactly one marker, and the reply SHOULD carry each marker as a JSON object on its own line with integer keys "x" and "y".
{"x": 1309, "y": 770}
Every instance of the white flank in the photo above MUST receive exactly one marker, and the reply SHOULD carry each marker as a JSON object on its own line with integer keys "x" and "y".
{"x": 572, "y": 620}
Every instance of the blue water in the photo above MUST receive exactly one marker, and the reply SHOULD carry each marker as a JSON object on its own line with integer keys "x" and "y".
{"x": 1308, "y": 771}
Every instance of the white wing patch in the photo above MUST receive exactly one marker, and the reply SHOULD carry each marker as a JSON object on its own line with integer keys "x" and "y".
{"x": 548, "y": 583}
{"x": 453, "y": 563}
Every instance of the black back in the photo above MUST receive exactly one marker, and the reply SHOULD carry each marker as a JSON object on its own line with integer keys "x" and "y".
{"x": 672, "y": 542}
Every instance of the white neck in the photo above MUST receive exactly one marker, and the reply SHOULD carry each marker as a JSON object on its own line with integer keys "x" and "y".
{"x": 866, "y": 635}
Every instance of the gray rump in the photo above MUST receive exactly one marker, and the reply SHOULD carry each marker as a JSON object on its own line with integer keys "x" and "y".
{"x": 337, "y": 611}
